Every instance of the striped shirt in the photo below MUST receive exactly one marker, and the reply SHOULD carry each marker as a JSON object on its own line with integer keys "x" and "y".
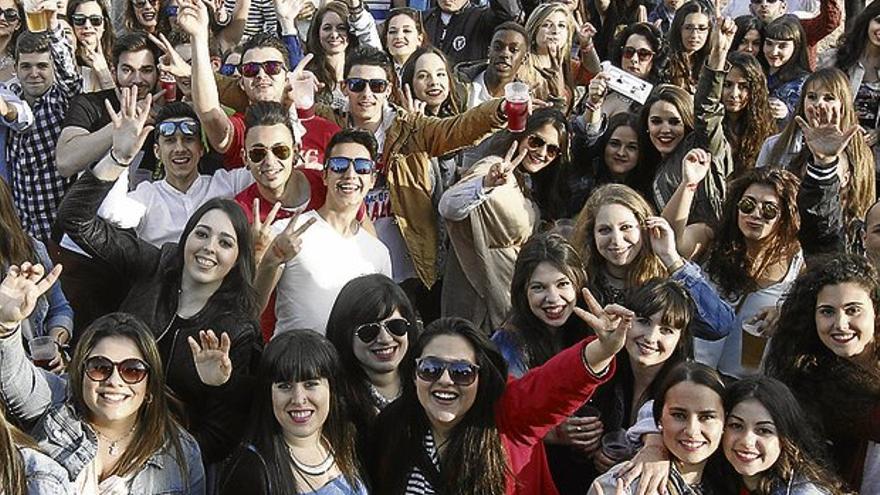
{"x": 261, "y": 18}
{"x": 417, "y": 484}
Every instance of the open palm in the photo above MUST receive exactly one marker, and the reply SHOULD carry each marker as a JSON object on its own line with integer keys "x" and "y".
{"x": 211, "y": 356}
{"x": 20, "y": 290}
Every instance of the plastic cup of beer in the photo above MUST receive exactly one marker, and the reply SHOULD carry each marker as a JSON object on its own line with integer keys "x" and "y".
{"x": 169, "y": 86}
{"x": 37, "y": 18}
{"x": 43, "y": 350}
{"x": 516, "y": 105}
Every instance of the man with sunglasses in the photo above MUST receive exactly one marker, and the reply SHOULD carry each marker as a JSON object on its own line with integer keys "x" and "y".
{"x": 316, "y": 253}
{"x": 47, "y": 81}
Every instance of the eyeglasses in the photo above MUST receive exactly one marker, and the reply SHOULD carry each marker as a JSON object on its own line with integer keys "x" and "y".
{"x": 759, "y": 2}
{"x": 694, "y": 28}
{"x": 369, "y": 331}
{"x": 10, "y": 15}
{"x": 643, "y": 53}
{"x": 132, "y": 370}
{"x": 358, "y": 85}
{"x": 769, "y": 210}
{"x": 228, "y": 69}
{"x": 537, "y": 142}
{"x": 185, "y": 127}
{"x": 79, "y": 20}
{"x": 270, "y": 67}
{"x": 339, "y": 164}
{"x": 462, "y": 373}
{"x": 258, "y": 153}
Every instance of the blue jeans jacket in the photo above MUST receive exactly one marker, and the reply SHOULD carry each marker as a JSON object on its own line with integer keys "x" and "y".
{"x": 44, "y": 475}
{"x": 34, "y": 396}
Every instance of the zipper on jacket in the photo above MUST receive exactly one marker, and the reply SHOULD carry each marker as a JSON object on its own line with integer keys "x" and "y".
{"x": 173, "y": 343}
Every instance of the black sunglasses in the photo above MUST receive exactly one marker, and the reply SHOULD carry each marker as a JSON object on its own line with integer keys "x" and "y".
{"x": 358, "y": 85}
{"x": 536, "y": 142}
{"x": 431, "y": 369}
{"x": 258, "y": 153}
{"x": 185, "y": 127}
{"x": 339, "y": 164}
{"x": 270, "y": 67}
{"x": 369, "y": 331}
{"x": 79, "y": 20}
{"x": 769, "y": 211}
{"x": 132, "y": 370}
{"x": 643, "y": 53}
{"x": 141, "y": 3}
{"x": 10, "y": 15}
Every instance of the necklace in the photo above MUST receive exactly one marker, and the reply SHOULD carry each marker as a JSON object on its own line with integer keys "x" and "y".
{"x": 379, "y": 400}
{"x": 114, "y": 444}
{"x": 313, "y": 469}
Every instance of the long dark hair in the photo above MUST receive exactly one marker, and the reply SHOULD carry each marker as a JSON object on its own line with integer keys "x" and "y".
{"x": 802, "y": 455}
{"x": 155, "y": 426}
{"x": 639, "y": 178}
{"x": 367, "y": 299}
{"x": 319, "y": 65}
{"x": 681, "y": 70}
{"x": 291, "y": 357}
{"x": 728, "y": 262}
{"x": 744, "y": 24}
{"x": 756, "y": 122}
{"x": 855, "y": 39}
{"x": 788, "y": 27}
{"x": 618, "y": 13}
{"x": 538, "y": 341}
{"x": 474, "y": 460}
{"x": 15, "y": 244}
{"x": 649, "y": 157}
{"x": 453, "y": 105}
{"x": 689, "y": 371}
{"x": 655, "y": 38}
{"x": 236, "y": 292}
{"x": 109, "y": 36}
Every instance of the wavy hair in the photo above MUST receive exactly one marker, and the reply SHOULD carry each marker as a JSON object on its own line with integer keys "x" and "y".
{"x": 728, "y": 261}
{"x": 533, "y": 24}
{"x": 16, "y": 246}
{"x": 755, "y": 122}
{"x": 683, "y": 70}
{"x": 413, "y": 14}
{"x": 13, "y": 475}
{"x": 655, "y": 39}
{"x": 744, "y": 24}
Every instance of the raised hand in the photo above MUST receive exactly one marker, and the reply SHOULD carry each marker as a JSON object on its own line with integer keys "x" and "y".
{"x": 411, "y": 104}
{"x": 193, "y": 18}
{"x": 722, "y": 37}
{"x": 823, "y": 133}
{"x": 288, "y": 243}
{"x": 778, "y": 108}
{"x": 289, "y": 9}
{"x": 261, "y": 231}
{"x": 695, "y": 167}
{"x": 662, "y": 240}
{"x": 298, "y": 73}
{"x": 129, "y": 125}
{"x": 20, "y": 290}
{"x": 499, "y": 173}
{"x": 585, "y": 33}
{"x": 611, "y": 323}
{"x": 555, "y": 74}
{"x": 211, "y": 356}
{"x": 596, "y": 92}
{"x": 170, "y": 61}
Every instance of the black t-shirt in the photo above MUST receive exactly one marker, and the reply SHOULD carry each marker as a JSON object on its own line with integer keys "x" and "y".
{"x": 87, "y": 111}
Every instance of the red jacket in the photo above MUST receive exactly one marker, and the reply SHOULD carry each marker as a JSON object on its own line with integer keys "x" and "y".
{"x": 532, "y": 405}
{"x": 817, "y": 28}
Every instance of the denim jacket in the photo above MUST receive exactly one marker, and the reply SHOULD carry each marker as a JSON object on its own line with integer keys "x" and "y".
{"x": 37, "y": 397}
{"x": 44, "y": 475}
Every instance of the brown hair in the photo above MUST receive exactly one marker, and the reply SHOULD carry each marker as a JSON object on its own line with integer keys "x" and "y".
{"x": 756, "y": 123}
{"x": 15, "y": 243}
{"x": 13, "y": 478}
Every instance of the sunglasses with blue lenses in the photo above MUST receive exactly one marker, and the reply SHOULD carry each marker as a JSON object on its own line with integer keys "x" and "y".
{"x": 431, "y": 369}
{"x": 185, "y": 127}
{"x": 339, "y": 164}
{"x": 228, "y": 69}
{"x": 358, "y": 85}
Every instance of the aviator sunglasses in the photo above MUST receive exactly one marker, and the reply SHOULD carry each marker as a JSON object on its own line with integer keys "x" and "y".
{"x": 132, "y": 370}
{"x": 258, "y": 153}
{"x": 270, "y": 67}
{"x": 462, "y": 373}
{"x": 769, "y": 211}
{"x": 369, "y": 331}
{"x": 79, "y": 20}
{"x": 643, "y": 53}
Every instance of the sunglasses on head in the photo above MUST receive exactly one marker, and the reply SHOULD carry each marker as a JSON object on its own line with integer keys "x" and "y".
{"x": 10, "y": 15}
{"x": 358, "y": 85}
{"x": 228, "y": 69}
{"x": 79, "y": 20}
{"x": 369, "y": 331}
{"x": 536, "y": 142}
{"x": 339, "y": 164}
{"x": 132, "y": 370}
{"x": 270, "y": 67}
{"x": 185, "y": 127}
{"x": 431, "y": 369}
{"x": 643, "y": 53}
{"x": 769, "y": 211}
{"x": 258, "y": 153}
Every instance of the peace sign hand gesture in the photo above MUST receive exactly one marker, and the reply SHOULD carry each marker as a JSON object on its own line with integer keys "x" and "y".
{"x": 20, "y": 290}
{"x": 411, "y": 104}
{"x": 610, "y": 323}
{"x": 288, "y": 243}
{"x": 129, "y": 125}
{"x": 171, "y": 61}
{"x": 499, "y": 173}
{"x": 211, "y": 356}
{"x": 823, "y": 134}
{"x": 261, "y": 231}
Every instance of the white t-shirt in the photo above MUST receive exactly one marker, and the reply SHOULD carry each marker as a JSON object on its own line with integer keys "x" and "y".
{"x": 311, "y": 281}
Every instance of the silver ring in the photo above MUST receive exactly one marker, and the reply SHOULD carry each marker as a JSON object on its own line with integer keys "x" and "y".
{"x": 577, "y": 429}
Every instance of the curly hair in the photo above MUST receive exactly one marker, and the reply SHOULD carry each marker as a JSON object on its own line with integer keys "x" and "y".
{"x": 728, "y": 261}
{"x": 683, "y": 70}
{"x": 755, "y": 123}
{"x": 646, "y": 265}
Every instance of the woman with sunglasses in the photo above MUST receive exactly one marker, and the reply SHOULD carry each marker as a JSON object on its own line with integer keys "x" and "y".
{"x": 461, "y": 427}
{"x": 11, "y": 24}
{"x": 822, "y": 146}
{"x": 141, "y": 15}
{"x": 753, "y": 255}
{"x": 300, "y": 438}
{"x": 107, "y": 422}
{"x": 492, "y": 211}
{"x": 372, "y": 325}
{"x": 203, "y": 281}
{"x": 689, "y": 44}
{"x": 825, "y": 350}
{"x": 94, "y": 40}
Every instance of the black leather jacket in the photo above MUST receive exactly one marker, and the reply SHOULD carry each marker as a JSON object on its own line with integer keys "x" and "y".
{"x": 467, "y": 35}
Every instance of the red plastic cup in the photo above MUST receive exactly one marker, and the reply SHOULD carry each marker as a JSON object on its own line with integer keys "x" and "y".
{"x": 516, "y": 106}
{"x": 169, "y": 86}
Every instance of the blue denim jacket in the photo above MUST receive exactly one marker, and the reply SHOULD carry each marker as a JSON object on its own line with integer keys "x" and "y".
{"x": 44, "y": 475}
{"x": 35, "y": 396}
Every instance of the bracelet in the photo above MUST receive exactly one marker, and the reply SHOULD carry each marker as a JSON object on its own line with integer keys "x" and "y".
{"x": 591, "y": 106}
{"x": 692, "y": 187}
{"x": 676, "y": 266}
{"x": 117, "y": 161}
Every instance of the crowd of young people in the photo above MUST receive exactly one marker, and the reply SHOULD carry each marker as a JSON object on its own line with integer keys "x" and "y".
{"x": 476, "y": 247}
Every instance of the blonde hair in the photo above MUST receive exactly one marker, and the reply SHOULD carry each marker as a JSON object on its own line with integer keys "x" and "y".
{"x": 529, "y": 69}
{"x": 646, "y": 265}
